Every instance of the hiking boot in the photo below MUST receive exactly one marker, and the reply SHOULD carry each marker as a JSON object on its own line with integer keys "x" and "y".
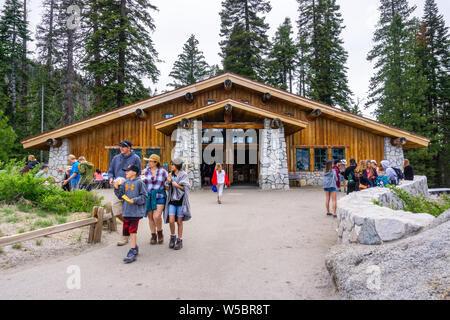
{"x": 153, "y": 239}
{"x": 173, "y": 239}
{"x": 131, "y": 255}
{"x": 220, "y": 202}
{"x": 160, "y": 237}
{"x": 123, "y": 242}
{"x": 178, "y": 244}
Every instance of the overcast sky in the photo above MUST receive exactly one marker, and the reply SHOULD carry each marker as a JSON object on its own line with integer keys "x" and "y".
{"x": 177, "y": 19}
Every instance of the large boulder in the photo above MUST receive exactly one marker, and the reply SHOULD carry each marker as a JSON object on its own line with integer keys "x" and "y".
{"x": 415, "y": 268}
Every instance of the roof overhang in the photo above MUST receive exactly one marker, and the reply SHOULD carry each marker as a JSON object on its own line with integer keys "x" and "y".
{"x": 413, "y": 140}
{"x": 291, "y": 124}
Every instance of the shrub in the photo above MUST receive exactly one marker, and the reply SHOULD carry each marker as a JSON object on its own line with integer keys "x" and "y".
{"x": 420, "y": 204}
{"x": 38, "y": 242}
{"x": 43, "y": 223}
{"x": 17, "y": 246}
{"x": 377, "y": 203}
{"x": 13, "y": 219}
{"x": 15, "y": 187}
{"x": 61, "y": 220}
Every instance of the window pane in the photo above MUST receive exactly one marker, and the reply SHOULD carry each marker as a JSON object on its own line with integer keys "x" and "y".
{"x": 113, "y": 153}
{"x": 149, "y": 152}
{"x": 320, "y": 158}
{"x": 338, "y": 153}
{"x": 303, "y": 160}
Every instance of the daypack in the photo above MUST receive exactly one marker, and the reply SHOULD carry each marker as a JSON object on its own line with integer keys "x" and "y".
{"x": 399, "y": 173}
{"x": 382, "y": 181}
{"x": 351, "y": 180}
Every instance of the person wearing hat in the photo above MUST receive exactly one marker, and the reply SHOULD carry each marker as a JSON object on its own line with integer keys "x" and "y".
{"x": 177, "y": 203}
{"x": 154, "y": 179}
{"x": 349, "y": 175}
{"x": 125, "y": 159}
{"x": 134, "y": 194}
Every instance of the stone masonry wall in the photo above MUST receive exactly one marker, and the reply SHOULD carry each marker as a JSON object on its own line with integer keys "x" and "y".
{"x": 362, "y": 221}
{"x": 273, "y": 159}
{"x": 188, "y": 148}
{"x": 393, "y": 154}
{"x": 58, "y": 159}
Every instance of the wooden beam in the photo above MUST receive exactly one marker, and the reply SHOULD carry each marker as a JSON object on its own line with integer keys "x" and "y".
{"x": 228, "y": 84}
{"x": 398, "y": 141}
{"x": 189, "y": 97}
{"x": 233, "y": 125}
{"x": 313, "y": 115}
{"x": 228, "y": 113}
{"x": 141, "y": 114}
{"x": 56, "y": 143}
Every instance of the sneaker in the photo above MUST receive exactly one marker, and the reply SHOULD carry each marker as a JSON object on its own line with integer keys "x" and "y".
{"x": 173, "y": 239}
{"x": 137, "y": 249}
{"x": 131, "y": 255}
{"x": 123, "y": 242}
{"x": 178, "y": 244}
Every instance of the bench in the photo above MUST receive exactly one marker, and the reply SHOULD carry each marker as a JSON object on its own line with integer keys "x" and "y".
{"x": 294, "y": 176}
{"x": 439, "y": 191}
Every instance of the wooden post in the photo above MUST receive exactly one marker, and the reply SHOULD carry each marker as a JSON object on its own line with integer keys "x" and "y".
{"x": 92, "y": 227}
{"x": 99, "y": 225}
{"x": 228, "y": 115}
{"x": 113, "y": 223}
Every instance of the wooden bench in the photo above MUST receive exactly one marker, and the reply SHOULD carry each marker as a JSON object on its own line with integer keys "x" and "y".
{"x": 294, "y": 176}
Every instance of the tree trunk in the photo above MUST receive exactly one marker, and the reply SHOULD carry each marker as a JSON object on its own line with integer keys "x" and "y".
{"x": 68, "y": 94}
{"x": 24, "y": 61}
{"x": 122, "y": 40}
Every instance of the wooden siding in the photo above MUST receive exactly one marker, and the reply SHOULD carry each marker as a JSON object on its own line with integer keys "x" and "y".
{"x": 359, "y": 143}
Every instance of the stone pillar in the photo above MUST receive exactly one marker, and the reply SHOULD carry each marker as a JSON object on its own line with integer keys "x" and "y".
{"x": 394, "y": 154}
{"x": 273, "y": 172}
{"x": 188, "y": 148}
{"x": 58, "y": 159}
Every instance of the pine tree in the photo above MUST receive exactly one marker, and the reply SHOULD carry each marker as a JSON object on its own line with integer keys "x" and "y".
{"x": 245, "y": 36}
{"x": 282, "y": 57}
{"x": 191, "y": 66}
{"x": 322, "y": 58}
{"x": 13, "y": 31}
{"x": 120, "y": 51}
{"x": 433, "y": 51}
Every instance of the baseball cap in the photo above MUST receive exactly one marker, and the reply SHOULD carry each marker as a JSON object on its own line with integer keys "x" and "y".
{"x": 132, "y": 168}
{"x": 125, "y": 143}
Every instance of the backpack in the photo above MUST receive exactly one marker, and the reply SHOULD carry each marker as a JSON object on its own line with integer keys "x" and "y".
{"x": 382, "y": 181}
{"x": 400, "y": 175}
{"x": 351, "y": 179}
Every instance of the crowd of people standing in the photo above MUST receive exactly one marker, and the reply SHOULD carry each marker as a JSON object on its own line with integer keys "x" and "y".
{"x": 360, "y": 176}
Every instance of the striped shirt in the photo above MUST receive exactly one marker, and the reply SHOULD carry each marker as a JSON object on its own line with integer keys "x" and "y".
{"x": 157, "y": 182}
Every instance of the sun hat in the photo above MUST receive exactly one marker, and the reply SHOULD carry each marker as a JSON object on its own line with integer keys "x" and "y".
{"x": 153, "y": 157}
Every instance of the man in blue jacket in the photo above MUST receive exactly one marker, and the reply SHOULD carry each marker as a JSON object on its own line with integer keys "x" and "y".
{"x": 125, "y": 159}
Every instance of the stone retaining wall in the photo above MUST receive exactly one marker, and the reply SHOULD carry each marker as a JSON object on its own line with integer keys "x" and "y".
{"x": 362, "y": 221}
{"x": 58, "y": 159}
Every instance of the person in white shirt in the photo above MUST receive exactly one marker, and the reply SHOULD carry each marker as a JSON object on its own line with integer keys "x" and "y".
{"x": 220, "y": 179}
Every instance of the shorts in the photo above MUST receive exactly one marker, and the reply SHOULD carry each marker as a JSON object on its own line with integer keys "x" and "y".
{"x": 130, "y": 225}
{"x": 175, "y": 210}
{"x": 161, "y": 201}
{"x": 330, "y": 189}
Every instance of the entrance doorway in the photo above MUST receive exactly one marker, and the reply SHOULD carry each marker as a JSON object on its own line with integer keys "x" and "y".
{"x": 240, "y": 163}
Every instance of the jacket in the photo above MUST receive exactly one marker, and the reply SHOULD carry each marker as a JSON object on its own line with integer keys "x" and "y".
{"x": 136, "y": 191}
{"x": 183, "y": 180}
{"x": 390, "y": 173}
{"x": 214, "y": 179}
{"x": 120, "y": 162}
{"x": 329, "y": 179}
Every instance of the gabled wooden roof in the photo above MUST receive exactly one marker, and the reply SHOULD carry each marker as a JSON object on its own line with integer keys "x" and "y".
{"x": 414, "y": 140}
{"x": 291, "y": 124}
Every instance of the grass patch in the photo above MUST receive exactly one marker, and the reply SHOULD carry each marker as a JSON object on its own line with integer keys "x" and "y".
{"x": 17, "y": 246}
{"x": 41, "y": 213}
{"x": 13, "y": 219}
{"x": 377, "y": 203}
{"x": 43, "y": 223}
{"x": 32, "y": 228}
{"x": 1, "y": 250}
{"x": 24, "y": 207}
{"x": 79, "y": 237}
{"x": 61, "y": 220}
{"x": 420, "y": 204}
{"x": 21, "y": 231}
{"x": 38, "y": 242}
{"x": 7, "y": 211}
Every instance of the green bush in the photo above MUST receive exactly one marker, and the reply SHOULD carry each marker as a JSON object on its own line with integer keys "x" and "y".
{"x": 15, "y": 187}
{"x": 420, "y": 204}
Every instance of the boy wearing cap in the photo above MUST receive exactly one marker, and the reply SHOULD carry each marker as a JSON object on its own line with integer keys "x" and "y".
{"x": 134, "y": 193}
{"x": 125, "y": 159}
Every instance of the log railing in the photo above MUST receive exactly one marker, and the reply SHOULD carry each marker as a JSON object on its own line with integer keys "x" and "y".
{"x": 95, "y": 232}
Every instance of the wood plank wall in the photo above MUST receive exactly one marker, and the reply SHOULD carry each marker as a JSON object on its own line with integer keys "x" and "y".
{"x": 359, "y": 144}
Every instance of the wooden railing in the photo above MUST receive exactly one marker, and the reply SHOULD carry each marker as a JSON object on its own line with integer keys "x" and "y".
{"x": 95, "y": 232}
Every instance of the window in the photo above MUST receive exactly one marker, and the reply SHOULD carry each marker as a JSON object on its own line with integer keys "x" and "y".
{"x": 303, "y": 160}
{"x": 168, "y": 115}
{"x": 320, "y": 158}
{"x": 337, "y": 154}
{"x": 210, "y": 102}
{"x": 113, "y": 153}
{"x": 245, "y": 101}
{"x": 149, "y": 152}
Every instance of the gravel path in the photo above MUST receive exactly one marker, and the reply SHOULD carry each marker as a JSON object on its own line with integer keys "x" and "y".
{"x": 256, "y": 245}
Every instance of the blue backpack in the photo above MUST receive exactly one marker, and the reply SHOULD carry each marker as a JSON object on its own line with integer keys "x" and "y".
{"x": 382, "y": 181}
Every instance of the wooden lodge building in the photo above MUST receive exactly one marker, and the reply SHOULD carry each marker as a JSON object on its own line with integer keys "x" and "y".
{"x": 299, "y": 134}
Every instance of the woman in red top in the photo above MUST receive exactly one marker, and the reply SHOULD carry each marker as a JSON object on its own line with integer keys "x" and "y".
{"x": 220, "y": 179}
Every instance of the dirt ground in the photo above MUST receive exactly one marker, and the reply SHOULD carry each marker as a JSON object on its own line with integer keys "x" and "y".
{"x": 256, "y": 245}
